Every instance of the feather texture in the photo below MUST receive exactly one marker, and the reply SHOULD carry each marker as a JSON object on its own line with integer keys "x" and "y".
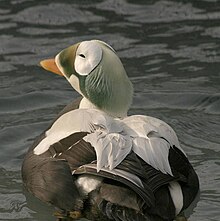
{"x": 152, "y": 139}
{"x": 111, "y": 148}
{"x": 113, "y": 138}
{"x": 140, "y": 153}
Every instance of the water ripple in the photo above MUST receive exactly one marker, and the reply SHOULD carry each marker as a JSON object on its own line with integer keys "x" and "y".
{"x": 160, "y": 11}
{"x": 56, "y": 14}
{"x": 28, "y": 102}
{"x": 174, "y": 100}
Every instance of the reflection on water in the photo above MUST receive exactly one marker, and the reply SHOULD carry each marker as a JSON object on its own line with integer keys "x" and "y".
{"x": 170, "y": 50}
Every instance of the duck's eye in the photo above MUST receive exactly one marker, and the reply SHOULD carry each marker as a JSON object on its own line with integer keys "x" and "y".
{"x": 82, "y": 55}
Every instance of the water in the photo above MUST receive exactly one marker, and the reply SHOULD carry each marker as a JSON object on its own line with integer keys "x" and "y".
{"x": 171, "y": 51}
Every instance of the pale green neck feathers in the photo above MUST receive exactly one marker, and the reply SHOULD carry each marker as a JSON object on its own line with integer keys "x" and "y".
{"x": 108, "y": 86}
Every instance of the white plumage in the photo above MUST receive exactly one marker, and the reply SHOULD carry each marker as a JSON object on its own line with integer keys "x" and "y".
{"x": 114, "y": 138}
{"x": 88, "y": 56}
{"x": 176, "y": 195}
{"x": 88, "y": 183}
{"x": 152, "y": 139}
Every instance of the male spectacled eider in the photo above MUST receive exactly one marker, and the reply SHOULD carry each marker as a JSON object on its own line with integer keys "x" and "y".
{"x": 99, "y": 163}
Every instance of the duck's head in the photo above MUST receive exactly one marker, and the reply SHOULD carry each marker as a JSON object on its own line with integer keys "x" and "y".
{"x": 95, "y": 71}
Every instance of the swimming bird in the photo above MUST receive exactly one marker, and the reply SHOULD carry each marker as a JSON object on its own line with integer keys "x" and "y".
{"x": 97, "y": 162}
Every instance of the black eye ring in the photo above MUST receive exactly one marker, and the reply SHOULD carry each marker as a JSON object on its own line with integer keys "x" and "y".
{"x": 82, "y": 55}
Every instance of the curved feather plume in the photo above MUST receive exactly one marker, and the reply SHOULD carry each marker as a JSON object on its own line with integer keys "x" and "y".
{"x": 113, "y": 139}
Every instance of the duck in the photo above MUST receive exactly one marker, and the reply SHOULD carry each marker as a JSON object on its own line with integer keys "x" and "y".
{"x": 96, "y": 162}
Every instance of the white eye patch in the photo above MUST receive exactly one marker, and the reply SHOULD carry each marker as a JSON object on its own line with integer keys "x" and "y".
{"x": 88, "y": 56}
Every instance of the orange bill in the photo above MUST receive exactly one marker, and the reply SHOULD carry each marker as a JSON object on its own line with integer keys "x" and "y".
{"x": 50, "y": 65}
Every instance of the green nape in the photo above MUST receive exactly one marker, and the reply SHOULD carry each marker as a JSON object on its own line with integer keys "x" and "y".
{"x": 66, "y": 60}
{"x": 108, "y": 86}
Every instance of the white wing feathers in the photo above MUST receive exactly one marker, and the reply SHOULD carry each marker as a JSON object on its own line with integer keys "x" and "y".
{"x": 113, "y": 139}
{"x": 111, "y": 148}
{"x": 69, "y": 123}
{"x": 154, "y": 151}
{"x": 152, "y": 139}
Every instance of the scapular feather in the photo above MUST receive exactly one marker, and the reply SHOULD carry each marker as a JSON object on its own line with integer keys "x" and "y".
{"x": 113, "y": 138}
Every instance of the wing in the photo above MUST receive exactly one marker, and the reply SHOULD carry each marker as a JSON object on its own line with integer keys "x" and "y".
{"x": 39, "y": 175}
{"x": 152, "y": 139}
{"x": 74, "y": 149}
{"x": 188, "y": 178}
{"x": 41, "y": 172}
{"x": 75, "y": 128}
{"x": 71, "y": 148}
{"x": 130, "y": 191}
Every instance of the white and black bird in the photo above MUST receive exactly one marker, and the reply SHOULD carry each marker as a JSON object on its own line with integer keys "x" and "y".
{"x": 97, "y": 161}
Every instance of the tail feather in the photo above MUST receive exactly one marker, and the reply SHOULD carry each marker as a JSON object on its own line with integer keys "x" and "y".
{"x": 120, "y": 213}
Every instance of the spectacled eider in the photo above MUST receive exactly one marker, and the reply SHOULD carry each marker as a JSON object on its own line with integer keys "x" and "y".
{"x": 99, "y": 163}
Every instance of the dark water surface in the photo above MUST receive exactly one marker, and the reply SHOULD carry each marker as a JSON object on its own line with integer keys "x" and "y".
{"x": 171, "y": 51}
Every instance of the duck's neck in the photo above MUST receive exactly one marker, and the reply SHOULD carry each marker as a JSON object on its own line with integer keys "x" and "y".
{"x": 86, "y": 104}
